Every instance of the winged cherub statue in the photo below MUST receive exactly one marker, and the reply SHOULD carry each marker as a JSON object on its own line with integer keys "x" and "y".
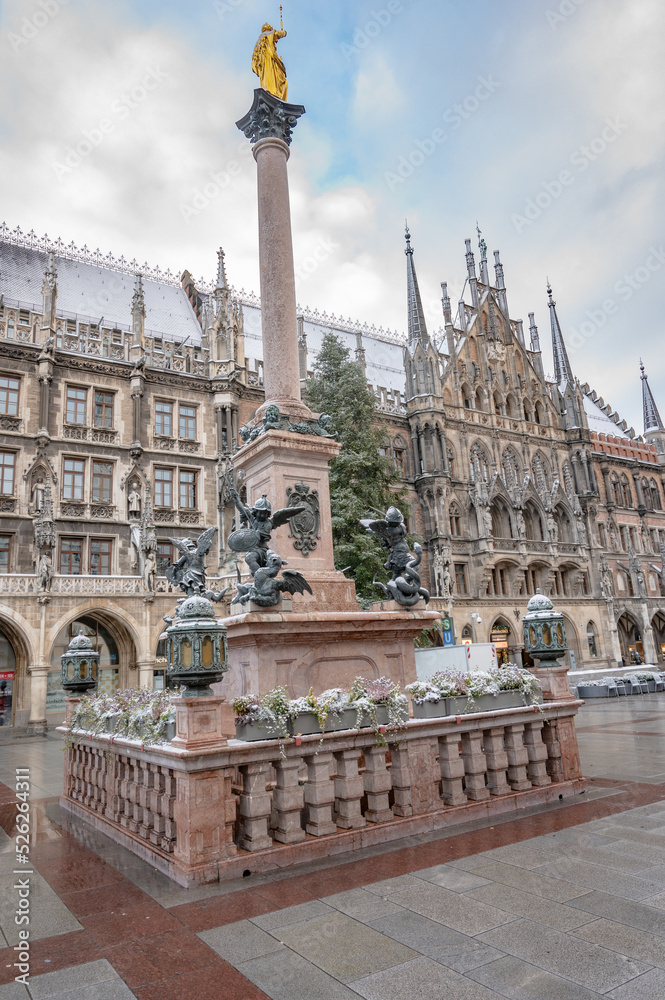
{"x": 188, "y": 572}
{"x": 405, "y": 584}
{"x": 252, "y": 539}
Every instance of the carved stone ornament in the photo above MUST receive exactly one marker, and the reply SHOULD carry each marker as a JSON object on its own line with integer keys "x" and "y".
{"x": 274, "y": 420}
{"x": 269, "y": 118}
{"x": 304, "y": 527}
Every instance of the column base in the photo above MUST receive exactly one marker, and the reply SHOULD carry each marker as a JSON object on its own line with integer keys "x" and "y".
{"x": 37, "y": 727}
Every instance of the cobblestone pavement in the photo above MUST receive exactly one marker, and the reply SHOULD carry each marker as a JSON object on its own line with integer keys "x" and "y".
{"x": 566, "y": 903}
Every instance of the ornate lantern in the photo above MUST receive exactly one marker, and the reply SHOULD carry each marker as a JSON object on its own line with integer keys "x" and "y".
{"x": 79, "y": 666}
{"x": 544, "y": 631}
{"x": 196, "y": 649}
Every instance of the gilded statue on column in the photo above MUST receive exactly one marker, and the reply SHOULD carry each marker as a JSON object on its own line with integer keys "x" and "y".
{"x": 267, "y": 64}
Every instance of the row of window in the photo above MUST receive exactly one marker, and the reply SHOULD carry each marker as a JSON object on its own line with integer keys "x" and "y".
{"x": 622, "y": 495}
{"x": 78, "y": 554}
{"x": 168, "y": 415}
{"x": 167, "y": 481}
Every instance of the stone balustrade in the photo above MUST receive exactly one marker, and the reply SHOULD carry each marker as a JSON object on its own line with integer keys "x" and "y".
{"x": 202, "y": 809}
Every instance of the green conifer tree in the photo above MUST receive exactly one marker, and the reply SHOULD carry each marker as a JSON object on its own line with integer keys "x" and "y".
{"x": 363, "y": 482}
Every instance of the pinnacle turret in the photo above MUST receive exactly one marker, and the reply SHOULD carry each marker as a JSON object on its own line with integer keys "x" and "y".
{"x": 417, "y": 326}
{"x": 222, "y": 283}
{"x": 563, "y": 373}
{"x": 652, "y": 421}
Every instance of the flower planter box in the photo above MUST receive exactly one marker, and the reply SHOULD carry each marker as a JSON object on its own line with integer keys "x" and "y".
{"x": 252, "y": 731}
{"x": 593, "y": 691}
{"x": 304, "y": 724}
{"x": 382, "y": 718}
{"x": 111, "y": 722}
{"x": 339, "y": 721}
{"x": 430, "y": 709}
{"x": 485, "y": 703}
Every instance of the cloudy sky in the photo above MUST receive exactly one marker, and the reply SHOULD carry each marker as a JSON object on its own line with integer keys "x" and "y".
{"x": 540, "y": 119}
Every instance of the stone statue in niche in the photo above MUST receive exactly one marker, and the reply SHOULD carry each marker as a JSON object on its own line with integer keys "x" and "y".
{"x": 45, "y": 573}
{"x": 252, "y": 539}
{"x": 38, "y": 495}
{"x": 149, "y": 571}
{"x": 404, "y": 587}
{"x": 442, "y": 575}
{"x": 552, "y": 528}
{"x": 134, "y": 502}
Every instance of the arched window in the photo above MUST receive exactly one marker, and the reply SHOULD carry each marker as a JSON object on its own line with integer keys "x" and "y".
{"x": 512, "y": 410}
{"x": 615, "y": 487}
{"x": 626, "y": 492}
{"x": 655, "y": 495}
{"x": 455, "y": 521}
{"x": 497, "y": 404}
{"x": 421, "y": 376}
{"x": 591, "y": 639}
{"x": 466, "y": 397}
{"x": 479, "y": 464}
{"x": 480, "y": 400}
{"x": 467, "y": 633}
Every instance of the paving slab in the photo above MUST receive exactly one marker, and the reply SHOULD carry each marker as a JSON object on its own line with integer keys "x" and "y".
{"x": 421, "y": 979}
{"x": 629, "y": 941}
{"x": 538, "y": 883}
{"x": 291, "y": 914}
{"x": 48, "y": 914}
{"x": 519, "y": 980}
{"x": 641, "y": 915}
{"x": 563, "y": 955}
{"x": 240, "y": 942}
{"x": 363, "y": 905}
{"x": 284, "y": 975}
{"x": 525, "y": 904}
{"x": 606, "y": 880}
{"x": 433, "y": 939}
{"x": 453, "y": 909}
{"x": 66, "y": 980}
{"x": 343, "y": 947}
{"x": 650, "y": 986}
{"x": 451, "y": 878}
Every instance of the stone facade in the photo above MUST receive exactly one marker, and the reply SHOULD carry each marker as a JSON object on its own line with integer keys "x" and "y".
{"x": 123, "y": 391}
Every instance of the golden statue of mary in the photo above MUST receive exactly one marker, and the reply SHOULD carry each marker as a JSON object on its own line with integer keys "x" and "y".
{"x": 266, "y": 63}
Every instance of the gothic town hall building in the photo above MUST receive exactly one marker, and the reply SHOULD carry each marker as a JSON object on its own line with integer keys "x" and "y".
{"x": 123, "y": 389}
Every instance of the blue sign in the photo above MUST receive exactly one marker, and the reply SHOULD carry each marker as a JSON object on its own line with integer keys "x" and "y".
{"x": 448, "y": 630}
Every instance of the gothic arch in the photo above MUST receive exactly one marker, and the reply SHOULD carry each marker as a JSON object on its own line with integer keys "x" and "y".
{"x": 512, "y": 408}
{"x": 479, "y": 461}
{"x": 511, "y": 468}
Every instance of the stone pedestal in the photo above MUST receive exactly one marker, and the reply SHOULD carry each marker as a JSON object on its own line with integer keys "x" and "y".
{"x": 553, "y": 678}
{"x": 320, "y": 650}
{"x": 280, "y": 459}
{"x": 201, "y": 722}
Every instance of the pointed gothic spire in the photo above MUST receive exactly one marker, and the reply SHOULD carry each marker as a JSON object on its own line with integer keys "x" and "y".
{"x": 652, "y": 421}
{"x": 417, "y": 326}
{"x": 222, "y": 283}
{"x": 562, "y": 371}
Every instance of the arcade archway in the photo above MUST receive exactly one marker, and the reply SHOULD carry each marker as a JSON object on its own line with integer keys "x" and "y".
{"x": 630, "y": 640}
{"x": 110, "y": 637}
{"x": 658, "y": 626}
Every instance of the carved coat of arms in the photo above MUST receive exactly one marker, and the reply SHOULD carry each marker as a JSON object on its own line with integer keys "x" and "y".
{"x": 304, "y": 526}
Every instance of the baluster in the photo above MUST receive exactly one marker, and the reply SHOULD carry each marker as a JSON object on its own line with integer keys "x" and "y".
{"x": 166, "y": 810}
{"x": 376, "y": 782}
{"x": 452, "y": 770}
{"x": 475, "y": 766}
{"x": 537, "y": 751}
{"x": 349, "y": 791}
{"x": 254, "y": 808}
{"x": 319, "y": 795}
{"x": 145, "y": 788}
{"x": 518, "y": 758}
{"x": 497, "y": 761}
{"x": 554, "y": 755}
{"x": 287, "y": 802}
{"x": 230, "y": 808}
{"x": 400, "y": 776}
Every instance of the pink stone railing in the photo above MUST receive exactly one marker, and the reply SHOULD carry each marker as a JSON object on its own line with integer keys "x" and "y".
{"x": 213, "y": 813}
